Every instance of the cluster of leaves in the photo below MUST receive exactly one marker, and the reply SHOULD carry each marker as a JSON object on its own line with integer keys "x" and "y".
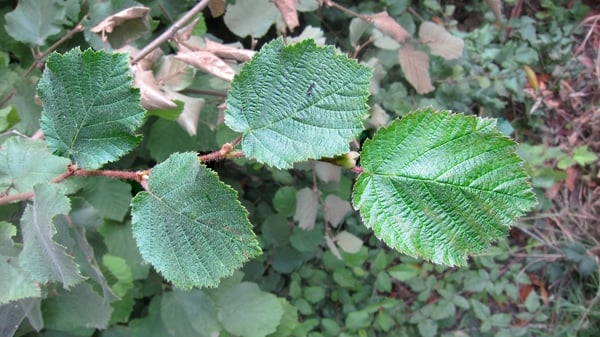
{"x": 79, "y": 248}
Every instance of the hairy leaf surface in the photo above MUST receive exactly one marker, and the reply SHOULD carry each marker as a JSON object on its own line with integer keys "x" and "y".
{"x": 190, "y": 226}
{"x": 42, "y": 257}
{"x": 90, "y": 109}
{"x": 441, "y": 186}
{"x": 297, "y": 102}
{"x": 15, "y": 282}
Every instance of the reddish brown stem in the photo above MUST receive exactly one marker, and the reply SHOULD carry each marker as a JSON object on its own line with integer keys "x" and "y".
{"x": 170, "y": 33}
{"x": 357, "y": 169}
{"x": 72, "y": 170}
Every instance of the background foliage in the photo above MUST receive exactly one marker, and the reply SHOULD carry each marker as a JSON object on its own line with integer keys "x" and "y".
{"x": 322, "y": 273}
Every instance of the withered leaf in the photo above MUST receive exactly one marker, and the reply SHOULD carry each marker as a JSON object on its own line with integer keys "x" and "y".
{"x": 152, "y": 97}
{"x": 387, "y": 25}
{"x": 228, "y": 52}
{"x": 415, "y": 65}
{"x": 207, "y": 62}
{"x": 288, "y": 11}
{"x": 441, "y": 42}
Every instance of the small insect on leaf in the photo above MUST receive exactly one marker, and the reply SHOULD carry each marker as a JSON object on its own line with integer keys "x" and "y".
{"x": 310, "y": 88}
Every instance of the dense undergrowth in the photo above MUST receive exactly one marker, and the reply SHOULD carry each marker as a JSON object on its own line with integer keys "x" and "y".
{"x": 532, "y": 64}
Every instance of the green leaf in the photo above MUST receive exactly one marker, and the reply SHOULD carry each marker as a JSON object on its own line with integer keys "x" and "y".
{"x": 120, "y": 270}
{"x": 297, "y": 102}
{"x": 42, "y": 257}
{"x": 190, "y": 313}
{"x": 358, "y": 320}
{"x": 119, "y": 241}
{"x": 14, "y": 313}
{"x": 33, "y": 21}
{"x": 250, "y": 17}
{"x": 405, "y": 271}
{"x": 441, "y": 186}
{"x": 25, "y": 163}
{"x": 110, "y": 197}
{"x": 284, "y": 201}
{"x": 90, "y": 121}
{"x": 80, "y": 307}
{"x": 189, "y": 225}
{"x": 152, "y": 325}
{"x": 8, "y": 118}
{"x": 14, "y": 281}
{"x": 247, "y": 311}
{"x": 583, "y": 156}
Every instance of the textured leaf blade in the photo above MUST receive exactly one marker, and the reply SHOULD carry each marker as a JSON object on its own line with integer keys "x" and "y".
{"x": 43, "y": 257}
{"x": 14, "y": 281}
{"x": 20, "y": 167}
{"x": 441, "y": 186}
{"x": 90, "y": 110}
{"x": 297, "y": 102}
{"x": 190, "y": 226}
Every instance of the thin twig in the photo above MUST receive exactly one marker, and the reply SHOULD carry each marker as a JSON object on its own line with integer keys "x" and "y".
{"x": 204, "y": 92}
{"x": 76, "y": 29}
{"x": 170, "y": 33}
{"x": 72, "y": 170}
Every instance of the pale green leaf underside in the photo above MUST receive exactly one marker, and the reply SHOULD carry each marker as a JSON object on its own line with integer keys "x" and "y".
{"x": 190, "y": 226}
{"x": 298, "y": 102}
{"x": 20, "y": 167}
{"x": 33, "y": 21}
{"x": 42, "y": 257}
{"x": 90, "y": 110}
{"x": 441, "y": 186}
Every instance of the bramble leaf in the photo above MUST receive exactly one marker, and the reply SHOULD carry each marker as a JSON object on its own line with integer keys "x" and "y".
{"x": 190, "y": 226}
{"x": 43, "y": 257}
{"x": 90, "y": 110}
{"x": 441, "y": 186}
{"x": 297, "y": 102}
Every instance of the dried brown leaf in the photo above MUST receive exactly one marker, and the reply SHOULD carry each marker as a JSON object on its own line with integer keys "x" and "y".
{"x": 188, "y": 119}
{"x": 228, "y": 52}
{"x": 186, "y": 32}
{"x": 217, "y": 7}
{"x": 207, "y": 62}
{"x": 288, "y": 11}
{"x": 152, "y": 97}
{"x": 336, "y": 209}
{"x": 387, "y": 25}
{"x": 496, "y": 7}
{"x": 415, "y": 65}
{"x": 307, "y": 201}
{"x": 441, "y": 42}
{"x": 132, "y": 13}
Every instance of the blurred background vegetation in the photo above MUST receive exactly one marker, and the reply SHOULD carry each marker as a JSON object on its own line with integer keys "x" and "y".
{"x": 533, "y": 65}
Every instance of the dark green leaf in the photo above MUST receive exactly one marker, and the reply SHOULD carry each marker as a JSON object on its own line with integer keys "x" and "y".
{"x": 189, "y": 225}
{"x": 247, "y": 311}
{"x": 190, "y": 313}
{"x": 110, "y": 197}
{"x": 90, "y": 110}
{"x": 441, "y": 186}
{"x": 80, "y": 307}
{"x": 297, "y": 102}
